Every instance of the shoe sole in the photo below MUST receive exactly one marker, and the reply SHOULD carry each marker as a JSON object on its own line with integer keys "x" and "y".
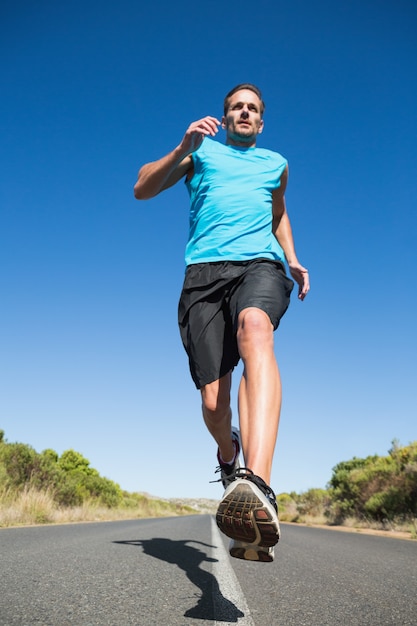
{"x": 244, "y": 514}
{"x": 250, "y": 552}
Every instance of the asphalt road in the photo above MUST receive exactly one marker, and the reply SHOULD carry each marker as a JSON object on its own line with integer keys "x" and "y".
{"x": 176, "y": 571}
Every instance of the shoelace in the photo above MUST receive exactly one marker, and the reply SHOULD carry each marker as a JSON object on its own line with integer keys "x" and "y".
{"x": 245, "y": 472}
{"x": 218, "y": 469}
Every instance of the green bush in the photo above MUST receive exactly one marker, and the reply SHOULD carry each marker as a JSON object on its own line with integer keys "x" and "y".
{"x": 284, "y": 499}
{"x": 69, "y": 477}
{"x": 313, "y": 502}
{"x": 376, "y": 487}
{"x": 386, "y": 504}
{"x": 18, "y": 461}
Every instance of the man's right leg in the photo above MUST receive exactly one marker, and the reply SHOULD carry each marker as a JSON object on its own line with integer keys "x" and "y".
{"x": 217, "y": 414}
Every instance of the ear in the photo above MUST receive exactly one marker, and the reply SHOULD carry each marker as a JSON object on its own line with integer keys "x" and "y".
{"x": 261, "y": 127}
{"x": 223, "y": 122}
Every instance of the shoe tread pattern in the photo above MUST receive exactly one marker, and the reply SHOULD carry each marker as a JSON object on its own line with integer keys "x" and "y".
{"x": 250, "y": 552}
{"x": 241, "y": 515}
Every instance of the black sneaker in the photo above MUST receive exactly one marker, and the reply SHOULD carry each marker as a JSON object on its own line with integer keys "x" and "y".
{"x": 227, "y": 471}
{"x": 248, "y": 512}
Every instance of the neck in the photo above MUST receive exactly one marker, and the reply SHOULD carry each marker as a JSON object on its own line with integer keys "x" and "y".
{"x": 241, "y": 142}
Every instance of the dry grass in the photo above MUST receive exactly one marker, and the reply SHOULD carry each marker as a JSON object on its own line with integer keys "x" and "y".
{"x": 312, "y": 520}
{"x": 401, "y": 526}
{"x": 289, "y": 512}
{"x": 28, "y": 507}
{"x": 32, "y": 506}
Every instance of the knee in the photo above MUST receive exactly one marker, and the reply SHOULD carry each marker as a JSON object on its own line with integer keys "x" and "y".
{"x": 254, "y": 328}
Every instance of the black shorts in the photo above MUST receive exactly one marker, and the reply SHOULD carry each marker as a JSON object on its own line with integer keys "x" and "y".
{"x": 213, "y": 295}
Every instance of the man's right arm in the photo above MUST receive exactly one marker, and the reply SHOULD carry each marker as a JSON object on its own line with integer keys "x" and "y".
{"x": 158, "y": 175}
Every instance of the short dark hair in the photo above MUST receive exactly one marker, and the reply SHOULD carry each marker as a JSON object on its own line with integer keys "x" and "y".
{"x": 249, "y": 86}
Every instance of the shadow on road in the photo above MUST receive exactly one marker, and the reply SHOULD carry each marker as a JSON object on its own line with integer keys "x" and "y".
{"x": 211, "y": 605}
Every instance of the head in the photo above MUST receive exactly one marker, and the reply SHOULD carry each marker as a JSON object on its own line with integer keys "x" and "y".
{"x": 243, "y": 111}
{"x": 248, "y": 86}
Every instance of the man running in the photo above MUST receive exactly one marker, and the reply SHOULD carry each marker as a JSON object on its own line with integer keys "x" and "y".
{"x": 235, "y": 292}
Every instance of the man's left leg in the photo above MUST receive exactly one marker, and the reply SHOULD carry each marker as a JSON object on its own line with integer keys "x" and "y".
{"x": 259, "y": 391}
{"x": 248, "y": 511}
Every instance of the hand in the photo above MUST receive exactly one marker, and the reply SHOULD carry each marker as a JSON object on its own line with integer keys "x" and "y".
{"x": 196, "y": 132}
{"x": 300, "y": 275}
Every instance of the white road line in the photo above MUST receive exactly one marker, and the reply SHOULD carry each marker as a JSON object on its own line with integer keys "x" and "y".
{"x": 229, "y": 602}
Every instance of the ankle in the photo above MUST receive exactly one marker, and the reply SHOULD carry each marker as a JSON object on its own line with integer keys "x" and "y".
{"x": 230, "y": 458}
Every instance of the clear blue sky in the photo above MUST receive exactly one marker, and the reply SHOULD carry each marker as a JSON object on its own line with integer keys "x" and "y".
{"x": 90, "y": 356}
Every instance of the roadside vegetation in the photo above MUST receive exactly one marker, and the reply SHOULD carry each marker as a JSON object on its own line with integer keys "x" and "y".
{"x": 378, "y": 492}
{"x": 35, "y": 488}
{"x": 39, "y": 488}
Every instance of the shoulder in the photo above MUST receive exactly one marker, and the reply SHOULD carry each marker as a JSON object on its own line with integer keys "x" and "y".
{"x": 210, "y": 146}
{"x": 209, "y": 152}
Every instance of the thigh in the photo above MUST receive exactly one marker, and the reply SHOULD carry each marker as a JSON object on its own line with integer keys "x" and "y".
{"x": 206, "y": 327}
{"x": 265, "y": 286}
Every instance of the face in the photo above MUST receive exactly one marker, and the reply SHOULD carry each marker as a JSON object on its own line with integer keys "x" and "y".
{"x": 243, "y": 121}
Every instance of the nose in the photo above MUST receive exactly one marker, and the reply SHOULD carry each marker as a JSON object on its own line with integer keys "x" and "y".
{"x": 245, "y": 111}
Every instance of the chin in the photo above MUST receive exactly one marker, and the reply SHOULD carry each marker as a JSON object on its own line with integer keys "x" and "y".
{"x": 242, "y": 132}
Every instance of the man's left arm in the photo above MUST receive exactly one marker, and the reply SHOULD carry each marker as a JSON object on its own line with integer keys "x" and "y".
{"x": 281, "y": 228}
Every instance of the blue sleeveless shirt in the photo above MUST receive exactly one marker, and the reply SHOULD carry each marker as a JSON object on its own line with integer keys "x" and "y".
{"x": 231, "y": 203}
